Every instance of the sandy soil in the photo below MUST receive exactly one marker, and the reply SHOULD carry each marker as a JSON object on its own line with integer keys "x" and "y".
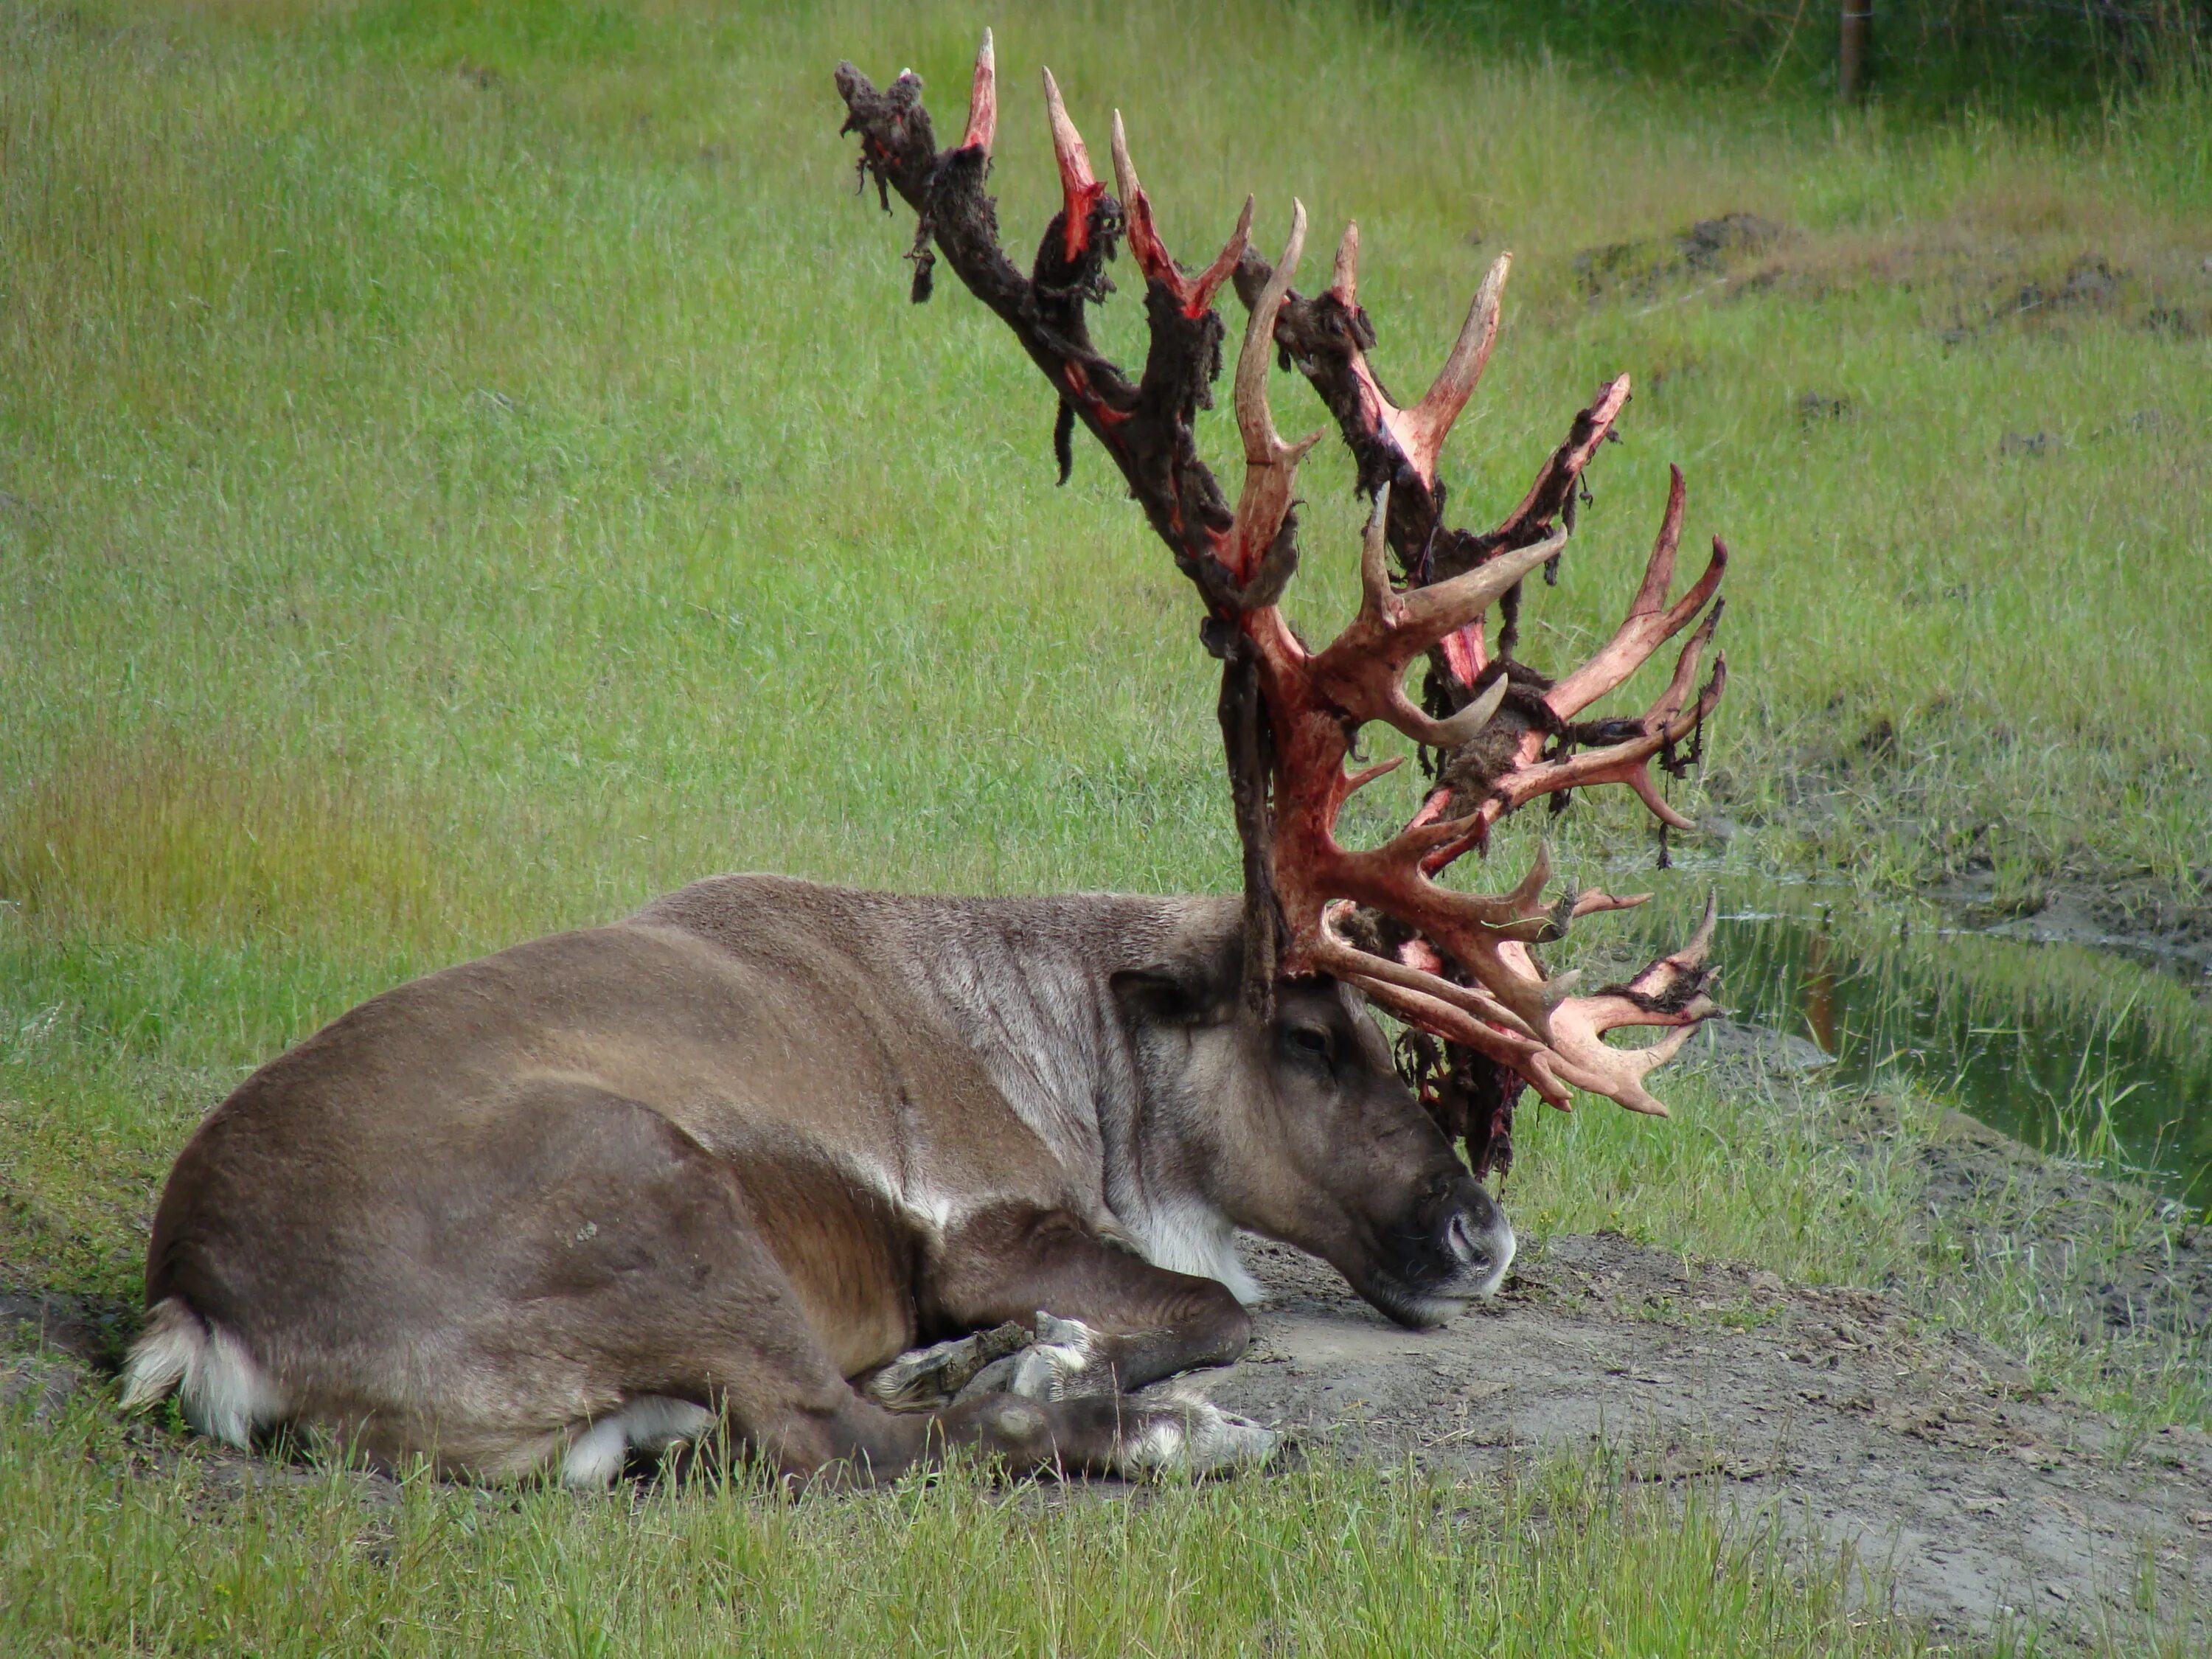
{"x": 1820, "y": 1406}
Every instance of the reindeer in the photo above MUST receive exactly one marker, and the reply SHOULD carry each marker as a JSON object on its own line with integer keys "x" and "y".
{"x": 850, "y": 1179}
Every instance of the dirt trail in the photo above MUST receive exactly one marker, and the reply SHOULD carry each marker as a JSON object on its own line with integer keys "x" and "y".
{"x": 1819, "y": 1405}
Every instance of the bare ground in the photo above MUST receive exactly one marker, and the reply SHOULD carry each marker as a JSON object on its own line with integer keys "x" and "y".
{"x": 1834, "y": 1409}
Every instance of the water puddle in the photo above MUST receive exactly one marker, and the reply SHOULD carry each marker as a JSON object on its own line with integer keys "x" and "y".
{"x": 2079, "y": 1051}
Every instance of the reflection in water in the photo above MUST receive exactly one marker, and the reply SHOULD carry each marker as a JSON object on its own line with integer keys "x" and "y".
{"x": 1819, "y": 991}
{"x": 2077, "y": 1051}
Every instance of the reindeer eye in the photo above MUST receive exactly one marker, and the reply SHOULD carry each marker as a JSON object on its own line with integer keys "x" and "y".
{"x": 1310, "y": 1040}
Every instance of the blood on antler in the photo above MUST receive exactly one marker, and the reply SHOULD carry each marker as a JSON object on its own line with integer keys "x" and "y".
{"x": 1456, "y": 965}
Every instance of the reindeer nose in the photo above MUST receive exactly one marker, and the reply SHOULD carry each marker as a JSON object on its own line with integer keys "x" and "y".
{"x": 1460, "y": 1239}
{"x": 1478, "y": 1237}
{"x": 1456, "y": 1237}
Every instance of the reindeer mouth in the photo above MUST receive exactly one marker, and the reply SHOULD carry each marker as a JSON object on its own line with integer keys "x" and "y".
{"x": 1418, "y": 1306}
{"x": 1468, "y": 1264}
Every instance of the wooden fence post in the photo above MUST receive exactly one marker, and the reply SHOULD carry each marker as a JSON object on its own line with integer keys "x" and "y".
{"x": 1851, "y": 53}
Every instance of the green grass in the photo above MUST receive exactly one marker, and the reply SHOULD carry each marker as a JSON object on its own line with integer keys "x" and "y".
{"x": 1329, "y": 1557}
{"x": 465, "y": 469}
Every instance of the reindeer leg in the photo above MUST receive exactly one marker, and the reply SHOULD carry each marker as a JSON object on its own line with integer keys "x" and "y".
{"x": 923, "y": 1378}
{"x": 757, "y": 1365}
{"x": 1105, "y": 1321}
{"x": 614, "y": 1290}
{"x": 854, "y": 1439}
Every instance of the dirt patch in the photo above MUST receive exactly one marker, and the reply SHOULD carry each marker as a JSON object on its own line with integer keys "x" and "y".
{"x": 52, "y": 1346}
{"x": 1641, "y": 268}
{"x": 1836, "y": 1410}
{"x": 1977, "y": 279}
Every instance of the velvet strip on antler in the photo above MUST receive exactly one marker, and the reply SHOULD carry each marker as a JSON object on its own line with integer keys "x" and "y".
{"x": 1457, "y": 966}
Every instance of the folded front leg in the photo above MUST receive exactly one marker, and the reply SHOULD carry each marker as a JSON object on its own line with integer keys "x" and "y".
{"x": 1101, "y": 1319}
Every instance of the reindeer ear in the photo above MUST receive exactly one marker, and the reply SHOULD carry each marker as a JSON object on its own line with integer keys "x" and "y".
{"x": 1198, "y": 989}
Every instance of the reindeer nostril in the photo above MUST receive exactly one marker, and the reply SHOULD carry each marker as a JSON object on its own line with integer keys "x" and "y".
{"x": 1457, "y": 1236}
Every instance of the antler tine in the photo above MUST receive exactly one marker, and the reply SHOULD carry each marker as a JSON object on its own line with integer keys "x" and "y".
{"x": 1659, "y": 571}
{"x": 1208, "y": 282}
{"x": 1333, "y": 954}
{"x": 983, "y": 101}
{"x": 1124, "y": 173}
{"x": 1476, "y": 931}
{"x": 1535, "y": 879}
{"x": 1378, "y": 600}
{"x": 1419, "y": 433}
{"x": 1671, "y": 719}
{"x": 1694, "y": 953}
{"x": 1328, "y": 339}
{"x": 1444, "y": 1016}
{"x": 1270, "y": 465}
{"x": 1650, "y": 621}
{"x": 1255, "y": 420}
{"x": 1363, "y": 669}
{"x": 1555, "y": 479}
{"x": 1581, "y": 1056}
{"x": 1343, "y": 281}
{"x": 1460, "y": 926}
{"x": 1447, "y": 606}
{"x": 1078, "y": 186}
{"x": 1193, "y": 295}
{"x": 1667, "y": 712}
{"x": 1424, "y": 427}
{"x": 1673, "y": 991}
{"x": 1466, "y": 725}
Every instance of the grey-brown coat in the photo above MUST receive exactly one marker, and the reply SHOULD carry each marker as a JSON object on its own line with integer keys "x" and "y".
{"x": 722, "y": 1162}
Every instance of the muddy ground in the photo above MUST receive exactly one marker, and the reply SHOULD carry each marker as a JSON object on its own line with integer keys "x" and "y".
{"x": 1829, "y": 1408}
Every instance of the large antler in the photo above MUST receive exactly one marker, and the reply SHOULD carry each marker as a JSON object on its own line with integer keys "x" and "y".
{"x": 1457, "y": 966}
{"x": 1328, "y": 338}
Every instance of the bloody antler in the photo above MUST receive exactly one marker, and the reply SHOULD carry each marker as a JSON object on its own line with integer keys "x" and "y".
{"x": 1456, "y": 965}
{"x": 1328, "y": 338}
{"x": 1499, "y": 1004}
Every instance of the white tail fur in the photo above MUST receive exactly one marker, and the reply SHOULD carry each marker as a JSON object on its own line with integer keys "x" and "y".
{"x": 224, "y": 1393}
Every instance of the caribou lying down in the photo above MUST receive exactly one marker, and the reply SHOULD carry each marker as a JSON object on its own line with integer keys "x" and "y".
{"x": 855, "y": 1178}
{"x": 764, "y": 1137}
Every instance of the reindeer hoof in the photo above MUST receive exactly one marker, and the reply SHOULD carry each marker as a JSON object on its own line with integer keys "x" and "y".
{"x": 1193, "y": 1436}
{"x": 928, "y": 1378}
{"x": 1063, "y": 1363}
{"x": 1059, "y": 1364}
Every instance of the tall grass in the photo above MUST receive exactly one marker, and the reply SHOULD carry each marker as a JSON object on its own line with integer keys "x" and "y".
{"x": 2015, "y": 56}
